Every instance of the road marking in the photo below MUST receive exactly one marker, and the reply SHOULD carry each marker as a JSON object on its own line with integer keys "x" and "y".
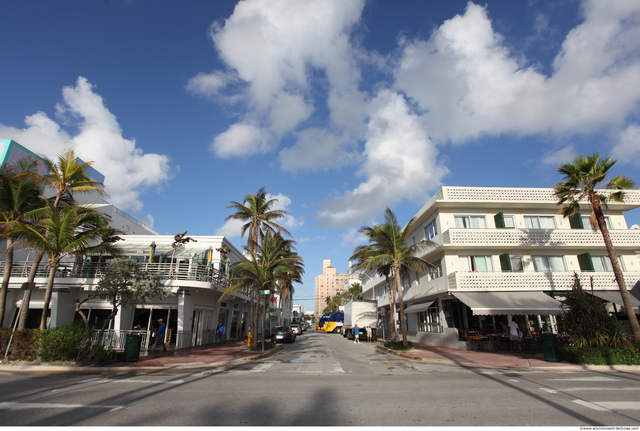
{"x": 262, "y": 367}
{"x": 337, "y": 368}
{"x": 607, "y": 406}
{"x": 168, "y": 382}
{"x": 25, "y": 406}
{"x": 514, "y": 380}
{"x": 589, "y": 379}
{"x": 555, "y": 391}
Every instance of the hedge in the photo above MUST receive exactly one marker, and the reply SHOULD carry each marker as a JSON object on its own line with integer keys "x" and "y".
{"x": 601, "y": 355}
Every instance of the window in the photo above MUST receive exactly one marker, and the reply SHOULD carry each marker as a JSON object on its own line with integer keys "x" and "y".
{"x": 476, "y": 263}
{"x": 597, "y": 263}
{"x": 586, "y": 223}
{"x": 429, "y": 321}
{"x": 503, "y": 221}
{"x": 540, "y": 222}
{"x": 430, "y": 231}
{"x": 516, "y": 264}
{"x": 470, "y": 222}
{"x": 435, "y": 271}
{"x": 548, "y": 263}
{"x": 511, "y": 263}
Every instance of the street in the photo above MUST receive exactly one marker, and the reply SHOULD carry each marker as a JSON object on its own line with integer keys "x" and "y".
{"x": 324, "y": 379}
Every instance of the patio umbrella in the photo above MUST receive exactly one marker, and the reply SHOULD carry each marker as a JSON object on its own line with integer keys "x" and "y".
{"x": 152, "y": 251}
{"x": 210, "y": 256}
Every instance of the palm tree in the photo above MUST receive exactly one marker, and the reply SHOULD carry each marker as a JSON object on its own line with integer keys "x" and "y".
{"x": 65, "y": 231}
{"x": 258, "y": 214}
{"x": 582, "y": 177}
{"x": 19, "y": 196}
{"x": 267, "y": 265}
{"x": 67, "y": 176}
{"x": 388, "y": 243}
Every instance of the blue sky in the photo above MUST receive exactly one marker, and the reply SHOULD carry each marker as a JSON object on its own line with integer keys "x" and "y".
{"x": 339, "y": 108}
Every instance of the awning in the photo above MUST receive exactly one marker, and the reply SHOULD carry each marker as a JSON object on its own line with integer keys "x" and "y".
{"x": 418, "y": 308}
{"x": 613, "y": 296}
{"x": 492, "y": 303}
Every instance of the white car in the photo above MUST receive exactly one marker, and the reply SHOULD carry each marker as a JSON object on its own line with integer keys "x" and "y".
{"x": 296, "y": 329}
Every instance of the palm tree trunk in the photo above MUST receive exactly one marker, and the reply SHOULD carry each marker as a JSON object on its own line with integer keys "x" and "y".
{"x": 403, "y": 326}
{"x": 53, "y": 266}
{"x": 8, "y": 264}
{"x": 24, "y": 309}
{"x": 392, "y": 309}
{"x": 255, "y": 308}
{"x": 624, "y": 293}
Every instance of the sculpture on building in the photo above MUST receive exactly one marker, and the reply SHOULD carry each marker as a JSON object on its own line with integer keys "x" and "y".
{"x": 180, "y": 240}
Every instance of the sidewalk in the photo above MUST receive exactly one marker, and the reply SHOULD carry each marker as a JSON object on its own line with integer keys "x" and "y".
{"x": 445, "y": 355}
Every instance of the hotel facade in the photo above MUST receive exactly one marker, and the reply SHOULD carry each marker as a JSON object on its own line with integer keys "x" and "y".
{"x": 503, "y": 254}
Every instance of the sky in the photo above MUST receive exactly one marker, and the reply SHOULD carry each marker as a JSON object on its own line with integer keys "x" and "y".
{"x": 339, "y": 109}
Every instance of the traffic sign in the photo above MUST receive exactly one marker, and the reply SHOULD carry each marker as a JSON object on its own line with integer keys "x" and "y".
{"x": 265, "y": 292}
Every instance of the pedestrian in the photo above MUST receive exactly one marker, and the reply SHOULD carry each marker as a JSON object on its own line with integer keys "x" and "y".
{"x": 356, "y": 334}
{"x": 220, "y": 330}
{"x": 514, "y": 336}
{"x": 368, "y": 329}
{"x": 160, "y": 336}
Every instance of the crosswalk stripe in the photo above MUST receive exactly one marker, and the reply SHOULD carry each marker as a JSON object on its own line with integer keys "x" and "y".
{"x": 605, "y": 406}
{"x": 587, "y": 379}
{"x": 555, "y": 391}
{"x": 25, "y": 406}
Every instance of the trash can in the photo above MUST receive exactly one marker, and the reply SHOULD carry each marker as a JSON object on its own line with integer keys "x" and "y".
{"x": 550, "y": 347}
{"x": 132, "y": 348}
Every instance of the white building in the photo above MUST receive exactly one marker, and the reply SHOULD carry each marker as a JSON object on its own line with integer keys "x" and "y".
{"x": 501, "y": 254}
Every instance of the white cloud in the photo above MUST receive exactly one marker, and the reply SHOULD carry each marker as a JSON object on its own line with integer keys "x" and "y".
{"x": 319, "y": 150}
{"x": 400, "y": 163}
{"x": 278, "y": 49}
{"x": 127, "y": 169}
{"x": 468, "y": 84}
{"x": 558, "y": 157}
{"x": 352, "y": 238}
{"x": 627, "y": 150}
{"x": 233, "y": 228}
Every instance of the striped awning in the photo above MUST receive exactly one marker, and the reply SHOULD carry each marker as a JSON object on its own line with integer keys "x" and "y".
{"x": 494, "y": 303}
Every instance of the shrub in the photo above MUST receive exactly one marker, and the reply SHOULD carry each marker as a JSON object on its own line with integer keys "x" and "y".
{"x": 397, "y": 345}
{"x": 267, "y": 346}
{"x": 64, "y": 343}
{"x": 601, "y": 355}
{"x": 21, "y": 344}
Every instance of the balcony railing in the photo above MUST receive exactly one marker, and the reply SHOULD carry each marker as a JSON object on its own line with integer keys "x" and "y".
{"x": 83, "y": 270}
{"x": 539, "y": 238}
{"x": 514, "y": 281}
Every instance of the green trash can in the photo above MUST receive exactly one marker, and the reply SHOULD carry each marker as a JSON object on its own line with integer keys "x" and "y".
{"x": 132, "y": 348}
{"x": 550, "y": 347}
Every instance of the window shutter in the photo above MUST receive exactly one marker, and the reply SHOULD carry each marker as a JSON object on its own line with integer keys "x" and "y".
{"x": 499, "y": 218}
{"x": 576, "y": 221}
{"x": 586, "y": 264}
{"x": 505, "y": 262}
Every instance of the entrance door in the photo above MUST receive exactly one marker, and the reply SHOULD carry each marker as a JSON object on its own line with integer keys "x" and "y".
{"x": 201, "y": 331}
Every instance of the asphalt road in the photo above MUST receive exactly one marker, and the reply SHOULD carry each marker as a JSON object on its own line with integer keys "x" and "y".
{"x": 324, "y": 379}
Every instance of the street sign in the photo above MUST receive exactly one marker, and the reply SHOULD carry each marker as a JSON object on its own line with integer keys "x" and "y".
{"x": 265, "y": 292}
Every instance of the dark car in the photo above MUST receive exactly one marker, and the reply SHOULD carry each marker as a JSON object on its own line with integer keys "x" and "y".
{"x": 283, "y": 333}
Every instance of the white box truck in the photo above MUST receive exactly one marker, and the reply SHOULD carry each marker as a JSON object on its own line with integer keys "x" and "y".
{"x": 361, "y": 312}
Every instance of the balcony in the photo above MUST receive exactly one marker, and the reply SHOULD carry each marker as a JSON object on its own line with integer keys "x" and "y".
{"x": 95, "y": 271}
{"x": 491, "y": 238}
{"x": 548, "y": 281}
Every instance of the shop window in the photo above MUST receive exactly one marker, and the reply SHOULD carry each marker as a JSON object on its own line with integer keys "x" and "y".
{"x": 429, "y": 321}
{"x": 548, "y": 263}
{"x": 470, "y": 222}
{"x": 540, "y": 222}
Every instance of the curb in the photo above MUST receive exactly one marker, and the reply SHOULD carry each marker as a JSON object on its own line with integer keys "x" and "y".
{"x": 575, "y": 367}
{"x": 62, "y": 369}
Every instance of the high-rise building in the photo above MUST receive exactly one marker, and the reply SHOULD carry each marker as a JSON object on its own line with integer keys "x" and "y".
{"x": 328, "y": 284}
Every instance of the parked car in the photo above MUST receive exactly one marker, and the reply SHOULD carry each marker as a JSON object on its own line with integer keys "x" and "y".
{"x": 283, "y": 333}
{"x": 296, "y": 329}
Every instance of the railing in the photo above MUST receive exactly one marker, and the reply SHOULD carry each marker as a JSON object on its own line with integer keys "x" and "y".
{"x": 538, "y": 237}
{"x": 169, "y": 271}
{"x": 513, "y": 281}
{"x": 115, "y": 339}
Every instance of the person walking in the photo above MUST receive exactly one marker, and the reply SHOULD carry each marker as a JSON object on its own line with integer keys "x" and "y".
{"x": 514, "y": 336}
{"x": 160, "y": 336}
{"x": 356, "y": 334}
{"x": 368, "y": 330}
{"x": 220, "y": 330}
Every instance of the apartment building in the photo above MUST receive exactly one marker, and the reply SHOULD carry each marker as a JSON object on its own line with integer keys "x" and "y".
{"x": 328, "y": 284}
{"x": 502, "y": 254}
